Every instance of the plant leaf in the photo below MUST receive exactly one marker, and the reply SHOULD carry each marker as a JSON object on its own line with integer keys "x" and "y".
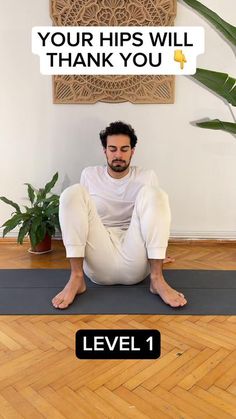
{"x": 9, "y": 202}
{"x": 40, "y": 195}
{"x": 37, "y": 230}
{"x": 15, "y": 218}
{"x": 11, "y": 223}
{"x": 23, "y": 231}
{"x": 54, "y": 223}
{"x": 229, "y": 31}
{"x": 220, "y": 83}
{"x": 219, "y": 125}
{"x": 51, "y": 210}
{"x": 51, "y": 198}
{"x": 35, "y": 222}
{"x": 50, "y": 229}
{"x": 40, "y": 233}
{"x": 31, "y": 192}
{"x": 50, "y": 184}
{"x": 51, "y": 202}
{"x": 32, "y": 238}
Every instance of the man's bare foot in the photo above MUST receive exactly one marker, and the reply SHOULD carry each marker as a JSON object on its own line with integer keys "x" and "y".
{"x": 168, "y": 259}
{"x": 75, "y": 285}
{"x": 169, "y": 295}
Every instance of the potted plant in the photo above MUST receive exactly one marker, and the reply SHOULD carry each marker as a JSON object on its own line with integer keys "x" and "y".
{"x": 39, "y": 220}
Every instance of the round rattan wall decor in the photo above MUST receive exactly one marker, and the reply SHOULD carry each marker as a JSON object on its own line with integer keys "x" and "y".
{"x": 113, "y": 89}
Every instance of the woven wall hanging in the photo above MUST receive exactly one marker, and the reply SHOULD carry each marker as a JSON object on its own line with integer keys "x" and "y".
{"x": 91, "y": 89}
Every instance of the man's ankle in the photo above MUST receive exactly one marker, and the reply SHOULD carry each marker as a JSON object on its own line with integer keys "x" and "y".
{"x": 156, "y": 277}
{"x": 77, "y": 275}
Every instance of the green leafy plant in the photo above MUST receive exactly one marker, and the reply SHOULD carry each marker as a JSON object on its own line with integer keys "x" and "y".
{"x": 220, "y": 83}
{"x": 38, "y": 219}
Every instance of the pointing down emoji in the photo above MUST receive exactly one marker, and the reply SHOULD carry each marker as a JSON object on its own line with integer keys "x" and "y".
{"x": 180, "y": 58}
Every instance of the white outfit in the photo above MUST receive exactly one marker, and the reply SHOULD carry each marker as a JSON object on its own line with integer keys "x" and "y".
{"x": 115, "y": 224}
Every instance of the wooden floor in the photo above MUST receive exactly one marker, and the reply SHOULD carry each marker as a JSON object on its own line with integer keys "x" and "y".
{"x": 40, "y": 377}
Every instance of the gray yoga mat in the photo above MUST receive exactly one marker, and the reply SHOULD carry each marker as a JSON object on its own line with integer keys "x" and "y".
{"x": 29, "y": 291}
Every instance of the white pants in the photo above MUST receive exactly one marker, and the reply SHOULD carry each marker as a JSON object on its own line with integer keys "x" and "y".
{"x": 112, "y": 255}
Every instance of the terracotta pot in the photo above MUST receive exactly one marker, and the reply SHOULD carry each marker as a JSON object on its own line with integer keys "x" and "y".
{"x": 44, "y": 246}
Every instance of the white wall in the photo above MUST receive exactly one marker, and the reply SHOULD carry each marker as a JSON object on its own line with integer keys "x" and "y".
{"x": 196, "y": 167}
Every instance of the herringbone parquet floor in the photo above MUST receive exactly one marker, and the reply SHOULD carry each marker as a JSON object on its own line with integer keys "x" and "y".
{"x": 40, "y": 377}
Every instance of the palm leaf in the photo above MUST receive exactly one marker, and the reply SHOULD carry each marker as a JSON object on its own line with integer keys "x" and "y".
{"x": 219, "y": 125}
{"x": 220, "y": 83}
{"x": 229, "y": 31}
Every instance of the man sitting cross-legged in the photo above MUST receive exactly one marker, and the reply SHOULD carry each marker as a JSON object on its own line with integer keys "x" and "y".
{"x": 115, "y": 223}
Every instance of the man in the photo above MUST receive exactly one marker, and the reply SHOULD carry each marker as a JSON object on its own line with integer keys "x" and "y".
{"x": 115, "y": 223}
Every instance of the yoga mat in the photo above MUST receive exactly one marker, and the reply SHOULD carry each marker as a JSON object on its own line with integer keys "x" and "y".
{"x": 29, "y": 291}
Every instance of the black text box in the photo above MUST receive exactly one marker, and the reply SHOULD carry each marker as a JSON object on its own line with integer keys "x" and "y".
{"x": 117, "y": 344}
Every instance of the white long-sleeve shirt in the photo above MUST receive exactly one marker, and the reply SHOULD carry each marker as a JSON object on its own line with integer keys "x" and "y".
{"x": 115, "y": 198}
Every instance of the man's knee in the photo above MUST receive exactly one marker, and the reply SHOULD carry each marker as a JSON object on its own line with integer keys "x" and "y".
{"x": 150, "y": 193}
{"x": 151, "y": 200}
{"x": 71, "y": 193}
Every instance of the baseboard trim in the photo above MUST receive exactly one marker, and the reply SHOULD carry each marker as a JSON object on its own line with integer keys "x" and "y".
{"x": 175, "y": 236}
{"x": 183, "y": 240}
{"x": 205, "y": 235}
{"x": 172, "y": 240}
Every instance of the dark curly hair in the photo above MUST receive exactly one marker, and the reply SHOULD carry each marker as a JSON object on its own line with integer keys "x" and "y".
{"x": 116, "y": 128}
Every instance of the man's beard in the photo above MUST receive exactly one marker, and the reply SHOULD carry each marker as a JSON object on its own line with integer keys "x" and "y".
{"x": 118, "y": 167}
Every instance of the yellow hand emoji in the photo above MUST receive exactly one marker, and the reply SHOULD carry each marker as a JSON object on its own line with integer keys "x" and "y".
{"x": 180, "y": 58}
